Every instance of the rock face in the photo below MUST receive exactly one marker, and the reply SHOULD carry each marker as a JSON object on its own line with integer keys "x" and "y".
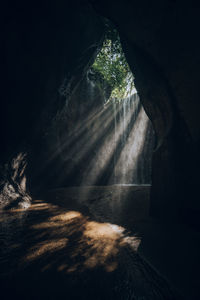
{"x": 45, "y": 51}
{"x": 13, "y": 184}
{"x": 160, "y": 40}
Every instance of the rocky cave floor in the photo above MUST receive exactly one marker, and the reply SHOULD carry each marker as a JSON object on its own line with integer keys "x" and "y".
{"x": 95, "y": 243}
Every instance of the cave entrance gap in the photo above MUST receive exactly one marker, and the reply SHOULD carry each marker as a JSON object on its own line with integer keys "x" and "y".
{"x": 112, "y": 142}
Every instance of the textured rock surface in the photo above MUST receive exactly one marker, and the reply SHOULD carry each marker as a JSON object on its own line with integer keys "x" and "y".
{"x": 13, "y": 184}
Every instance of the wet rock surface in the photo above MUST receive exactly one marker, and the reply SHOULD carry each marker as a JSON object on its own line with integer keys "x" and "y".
{"x": 74, "y": 244}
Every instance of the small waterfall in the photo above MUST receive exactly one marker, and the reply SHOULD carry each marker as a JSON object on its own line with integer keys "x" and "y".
{"x": 110, "y": 143}
{"x": 134, "y": 141}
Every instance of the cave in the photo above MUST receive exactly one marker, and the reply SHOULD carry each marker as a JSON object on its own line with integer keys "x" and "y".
{"x": 99, "y": 189}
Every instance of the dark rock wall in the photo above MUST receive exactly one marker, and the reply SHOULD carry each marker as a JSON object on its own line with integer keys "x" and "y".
{"x": 161, "y": 42}
{"x": 67, "y": 137}
{"x": 45, "y": 50}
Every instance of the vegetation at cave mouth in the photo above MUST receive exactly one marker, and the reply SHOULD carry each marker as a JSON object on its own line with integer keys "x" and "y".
{"x": 111, "y": 69}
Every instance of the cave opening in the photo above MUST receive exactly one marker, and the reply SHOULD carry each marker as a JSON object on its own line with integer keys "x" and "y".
{"x": 110, "y": 139}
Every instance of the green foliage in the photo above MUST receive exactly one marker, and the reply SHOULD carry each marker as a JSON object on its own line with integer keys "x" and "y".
{"x": 112, "y": 67}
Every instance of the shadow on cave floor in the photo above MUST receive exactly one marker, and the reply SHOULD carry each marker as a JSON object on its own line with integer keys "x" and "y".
{"x": 79, "y": 243}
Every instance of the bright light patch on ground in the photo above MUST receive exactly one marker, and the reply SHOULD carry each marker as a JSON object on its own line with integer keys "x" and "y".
{"x": 97, "y": 246}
